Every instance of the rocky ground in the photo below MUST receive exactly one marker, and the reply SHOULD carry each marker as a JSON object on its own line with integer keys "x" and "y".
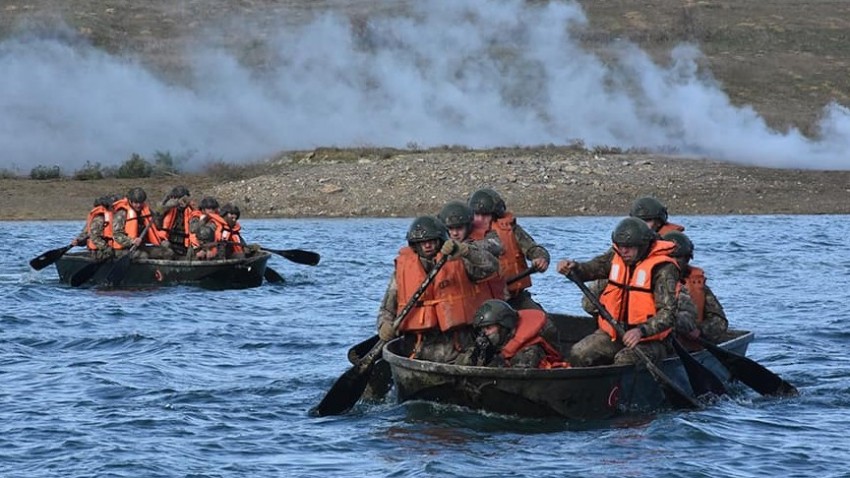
{"x": 786, "y": 59}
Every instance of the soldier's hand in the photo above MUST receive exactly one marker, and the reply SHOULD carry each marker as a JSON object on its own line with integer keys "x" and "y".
{"x": 540, "y": 264}
{"x": 565, "y": 266}
{"x": 137, "y": 241}
{"x": 386, "y": 332}
{"x": 75, "y": 242}
{"x": 454, "y": 249}
{"x": 165, "y": 244}
{"x": 632, "y": 337}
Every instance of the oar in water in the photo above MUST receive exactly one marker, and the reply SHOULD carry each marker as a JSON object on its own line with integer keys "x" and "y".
{"x": 49, "y": 257}
{"x": 272, "y": 276}
{"x": 675, "y": 395}
{"x": 751, "y": 372}
{"x": 349, "y": 387}
{"x": 701, "y": 378}
{"x": 297, "y": 255}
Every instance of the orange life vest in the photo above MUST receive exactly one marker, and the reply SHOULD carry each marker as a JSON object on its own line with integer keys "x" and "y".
{"x": 231, "y": 235}
{"x": 512, "y": 261}
{"x": 219, "y": 224}
{"x": 136, "y": 222}
{"x": 169, "y": 219}
{"x": 670, "y": 227}
{"x": 107, "y": 226}
{"x": 527, "y": 334}
{"x": 695, "y": 283}
{"x": 629, "y": 293}
{"x": 449, "y": 301}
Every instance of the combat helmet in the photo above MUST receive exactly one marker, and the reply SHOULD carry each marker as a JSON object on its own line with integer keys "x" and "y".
{"x": 487, "y": 201}
{"x": 426, "y": 228}
{"x": 137, "y": 195}
{"x": 633, "y": 232}
{"x": 648, "y": 208}
{"x": 105, "y": 201}
{"x": 684, "y": 246}
{"x": 230, "y": 208}
{"x": 456, "y": 214}
{"x": 495, "y": 312}
{"x": 208, "y": 203}
{"x": 177, "y": 192}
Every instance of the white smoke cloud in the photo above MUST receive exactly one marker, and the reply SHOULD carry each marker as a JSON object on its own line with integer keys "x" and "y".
{"x": 479, "y": 74}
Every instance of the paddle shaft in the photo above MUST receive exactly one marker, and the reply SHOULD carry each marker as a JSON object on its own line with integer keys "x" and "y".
{"x": 679, "y": 397}
{"x": 521, "y": 275}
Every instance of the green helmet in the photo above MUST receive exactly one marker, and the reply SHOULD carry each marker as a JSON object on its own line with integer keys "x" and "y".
{"x": 648, "y": 208}
{"x": 208, "y": 203}
{"x": 495, "y": 312}
{"x": 456, "y": 214}
{"x": 632, "y": 232}
{"x": 684, "y": 246}
{"x": 487, "y": 201}
{"x": 426, "y": 228}
{"x": 137, "y": 195}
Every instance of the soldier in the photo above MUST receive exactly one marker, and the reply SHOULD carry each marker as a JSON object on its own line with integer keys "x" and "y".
{"x": 97, "y": 233}
{"x": 205, "y": 230}
{"x": 132, "y": 216}
{"x": 709, "y": 318}
{"x": 438, "y": 327}
{"x": 509, "y": 338}
{"x": 640, "y": 294}
{"x": 177, "y": 209}
{"x": 654, "y": 213}
{"x": 491, "y": 215}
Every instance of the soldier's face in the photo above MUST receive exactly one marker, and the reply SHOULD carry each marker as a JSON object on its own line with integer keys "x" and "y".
{"x": 653, "y": 224}
{"x": 628, "y": 253}
{"x": 482, "y": 221}
{"x": 136, "y": 205}
{"x": 428, "y": 249}
{"x": 457, "y": 233}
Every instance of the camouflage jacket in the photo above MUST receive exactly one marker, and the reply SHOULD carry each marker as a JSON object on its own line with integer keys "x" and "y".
{"x": 530, "y": 248}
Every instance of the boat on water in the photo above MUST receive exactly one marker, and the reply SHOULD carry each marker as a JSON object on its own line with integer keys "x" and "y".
{"x": 581, "y": 393}
{"x": 214, "y": 274}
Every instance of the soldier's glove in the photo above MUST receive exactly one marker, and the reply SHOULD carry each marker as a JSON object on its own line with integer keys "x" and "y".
{"x": 386, "y": 332}
{"x": 165, "y": 244}
{"x": 253, "y": 248}
{"x": 454, "y": 249}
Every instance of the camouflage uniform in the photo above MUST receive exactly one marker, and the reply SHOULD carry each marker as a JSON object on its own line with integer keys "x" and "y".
{"x": 598, "y": 348}
{"x": 437, "y": 346}
{"x": 94, "y": 233}
{"x": 714, "y": 323}
{"x": 119, "y": 222}
{"x": 205, "y": 232}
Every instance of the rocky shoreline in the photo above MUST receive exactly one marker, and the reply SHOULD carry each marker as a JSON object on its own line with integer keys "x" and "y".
{"x": 547, "y": 181}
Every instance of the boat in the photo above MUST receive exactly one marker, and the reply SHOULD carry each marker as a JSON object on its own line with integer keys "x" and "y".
{"x": 213, "y": 274}
{"x": 581, "y": 393}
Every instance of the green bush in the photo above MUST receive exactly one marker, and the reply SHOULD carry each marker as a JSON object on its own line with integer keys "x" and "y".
{"x": 89, "y": 172}
{"x": 135, "y": 167}
{"x": 46, "y": 172}
{"x": 8, "y": 174}
{"x": 164, "y": 164}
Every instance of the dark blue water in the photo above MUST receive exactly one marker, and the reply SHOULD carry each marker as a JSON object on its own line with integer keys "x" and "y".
{"x": 186, "y": 382}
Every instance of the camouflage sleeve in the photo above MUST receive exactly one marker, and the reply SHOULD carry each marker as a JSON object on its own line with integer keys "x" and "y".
{"x": 389, "y": 304}
{"x": 686, "y": 313}
{"x": 528, "y": 357}
{"x": 194, "y": 225}
{"x": 531, "y": 249}
{"x": 491, "y": 243}
{"x": 597, "y": 268}
{"x": 664, "y": 280}
{"x": 714, "y": 322}
{"x": 479, "y": 262}
{"x": 119, "y": 221}
{"x": 82, "y": 236}
{"x": 97, "y": 226}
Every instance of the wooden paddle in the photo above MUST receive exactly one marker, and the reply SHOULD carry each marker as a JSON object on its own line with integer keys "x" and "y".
{"x": 349, "y": 387}
{"x": 701, "y": 378}
{"x": 49, "y": 257}
{"x": 675, "y": 395}
{"x": 297, "y": 255}
{"x": 751, "y": 372}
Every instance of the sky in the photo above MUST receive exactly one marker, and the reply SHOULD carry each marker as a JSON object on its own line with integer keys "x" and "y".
{"x": 464, "y": 72}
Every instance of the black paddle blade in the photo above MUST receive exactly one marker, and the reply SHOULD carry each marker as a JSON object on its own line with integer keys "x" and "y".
{"x": 345, "y": 392}
{"x": 119, "y": 270}
{"x": 702, "y": 379}
{"x": 751, "y": 373}
{"x": 358, "y": 351}
{"x": 272, "y": 276}
{"x": 85, "y": 274}
{"x": 297, "y": 255}
{"x": 49, "y": 257}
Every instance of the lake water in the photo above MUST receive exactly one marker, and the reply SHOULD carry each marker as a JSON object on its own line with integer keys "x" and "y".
{"x": 182, "y": 382}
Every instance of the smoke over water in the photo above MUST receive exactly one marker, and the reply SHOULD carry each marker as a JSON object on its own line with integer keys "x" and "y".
{"x": 479, "y": 74}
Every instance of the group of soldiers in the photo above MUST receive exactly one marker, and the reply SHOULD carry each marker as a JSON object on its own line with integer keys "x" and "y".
{"x": 477, "y": 309}
{"x": 180, "y": 229}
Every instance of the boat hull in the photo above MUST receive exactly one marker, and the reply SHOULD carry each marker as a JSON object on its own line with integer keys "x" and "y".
{"x": 575, "y": 393}
{"x": 220, "y": 274}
